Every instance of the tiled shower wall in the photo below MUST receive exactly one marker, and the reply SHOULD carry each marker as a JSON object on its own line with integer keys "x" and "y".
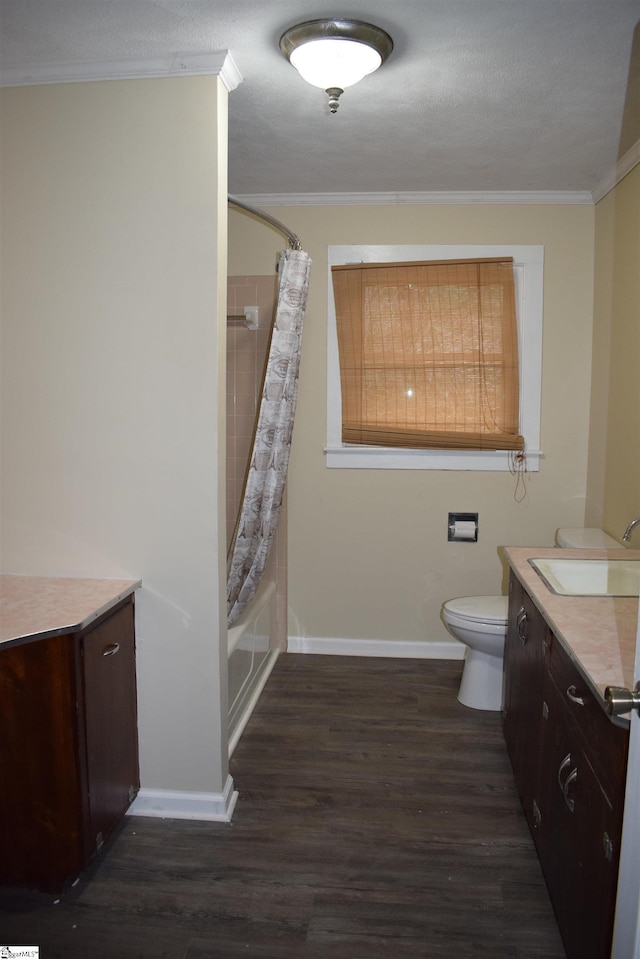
{"x": 246, "y": 358}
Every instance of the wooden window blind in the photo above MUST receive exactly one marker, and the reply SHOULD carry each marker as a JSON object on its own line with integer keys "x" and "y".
{"x": 428, "y": 354}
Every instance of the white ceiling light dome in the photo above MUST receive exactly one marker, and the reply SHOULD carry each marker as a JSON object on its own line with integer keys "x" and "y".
{"x": 335, "y": 54}
{"x": 345, "y": 63}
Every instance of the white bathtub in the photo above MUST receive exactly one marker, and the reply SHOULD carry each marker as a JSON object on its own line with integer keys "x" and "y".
{"x": 252, "y": 656}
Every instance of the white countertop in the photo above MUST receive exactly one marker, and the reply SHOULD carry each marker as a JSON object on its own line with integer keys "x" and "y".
{"x": 38, "y": 606}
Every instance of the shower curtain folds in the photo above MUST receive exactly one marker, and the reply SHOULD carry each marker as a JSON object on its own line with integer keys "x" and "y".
{"x": 267, "y": 473}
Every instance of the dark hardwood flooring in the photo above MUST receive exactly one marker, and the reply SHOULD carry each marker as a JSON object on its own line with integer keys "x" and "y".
{"x": 376, "y": 817}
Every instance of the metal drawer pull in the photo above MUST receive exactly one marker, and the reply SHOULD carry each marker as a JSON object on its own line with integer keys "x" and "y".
{"x": 111, "y": 649}
{"x": 572, "y": 693}
{"x": 563, "y": 765}
{"x": 571, "y": 778}
{"x": 537, "y": 815}
{"x": 521, "y": 622}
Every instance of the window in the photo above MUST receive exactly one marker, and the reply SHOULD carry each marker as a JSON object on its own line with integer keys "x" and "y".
{"x": 428, "y": 354}
{"x": 405, "y": 342}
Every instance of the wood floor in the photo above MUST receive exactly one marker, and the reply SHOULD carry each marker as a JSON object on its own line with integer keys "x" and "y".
{"x": 376, "y": 817}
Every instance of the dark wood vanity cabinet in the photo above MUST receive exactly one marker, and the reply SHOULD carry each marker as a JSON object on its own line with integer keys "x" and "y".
{"x": 569, "y": 763}
{"x": 68, "y": 748}
{"x": 526, "y": 651}
{"x": 110, "y": 718}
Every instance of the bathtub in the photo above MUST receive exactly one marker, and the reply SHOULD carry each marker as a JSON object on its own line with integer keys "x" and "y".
{"x": 252, "y": 656}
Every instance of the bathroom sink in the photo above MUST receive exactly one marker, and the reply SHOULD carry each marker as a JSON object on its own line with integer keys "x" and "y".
{"x": 590, "y": 577}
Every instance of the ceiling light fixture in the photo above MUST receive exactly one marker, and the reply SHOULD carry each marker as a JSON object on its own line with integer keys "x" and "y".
{"x": 335, "y": 54}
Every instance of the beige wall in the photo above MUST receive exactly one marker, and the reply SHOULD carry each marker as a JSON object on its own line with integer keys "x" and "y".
{"x": 113, "y": 278}
{"x": 368, "y": 551}
{"x": 614, "y": 456}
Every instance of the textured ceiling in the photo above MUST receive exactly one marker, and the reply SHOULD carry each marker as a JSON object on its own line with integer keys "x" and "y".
{"x": 478, "y": 95}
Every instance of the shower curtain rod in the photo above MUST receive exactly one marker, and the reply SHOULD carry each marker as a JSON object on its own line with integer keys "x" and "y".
{"x": 294, "y": 239}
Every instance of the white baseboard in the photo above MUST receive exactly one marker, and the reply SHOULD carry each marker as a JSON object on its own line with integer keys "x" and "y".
{"x": 391, "y": 649}
{"x": 169, "y": 804}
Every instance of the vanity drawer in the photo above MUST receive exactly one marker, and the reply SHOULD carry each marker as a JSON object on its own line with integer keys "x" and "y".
{"x": 606, "y": 744}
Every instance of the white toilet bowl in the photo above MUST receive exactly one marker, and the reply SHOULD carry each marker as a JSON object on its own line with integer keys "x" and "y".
{"x": 480, "y": 622}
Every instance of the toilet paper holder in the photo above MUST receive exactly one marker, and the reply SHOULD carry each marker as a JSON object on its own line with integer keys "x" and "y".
{"x": 463, "y": 528}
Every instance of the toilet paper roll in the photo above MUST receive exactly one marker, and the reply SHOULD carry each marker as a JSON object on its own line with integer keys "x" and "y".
{"x": 464, "y": 529}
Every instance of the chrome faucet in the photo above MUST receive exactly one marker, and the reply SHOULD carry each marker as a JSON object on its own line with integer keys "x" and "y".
{"x": 626, "y": 536}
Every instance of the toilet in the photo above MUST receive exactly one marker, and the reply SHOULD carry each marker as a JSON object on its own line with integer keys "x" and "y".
{"x": 480, "y": 622}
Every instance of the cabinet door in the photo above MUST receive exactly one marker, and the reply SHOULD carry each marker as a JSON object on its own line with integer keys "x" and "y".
{"x": 41, "y": 834}
{"x": 526, "y": 645}
{"x": 111, "y": 722}
{"x": 607, "y": 743}
{"x": 578, "y": 836}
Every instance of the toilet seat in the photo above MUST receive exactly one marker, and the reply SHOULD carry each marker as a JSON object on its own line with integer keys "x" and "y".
{"x": 492, "y": 610}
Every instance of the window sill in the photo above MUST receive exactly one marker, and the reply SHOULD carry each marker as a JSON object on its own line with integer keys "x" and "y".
{"x": 380, "y": 458}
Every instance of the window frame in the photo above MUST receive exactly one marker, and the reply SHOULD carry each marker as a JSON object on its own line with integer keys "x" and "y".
{"x": 528, "y": 264}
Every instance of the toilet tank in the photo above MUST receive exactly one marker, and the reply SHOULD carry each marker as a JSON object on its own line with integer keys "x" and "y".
{"x": 585, "y": 539}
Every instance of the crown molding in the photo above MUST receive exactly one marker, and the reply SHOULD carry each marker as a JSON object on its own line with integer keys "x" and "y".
{"x": 582, "y": 197}
{"x": 454, "y": 197}
{"x": 218, "y": 62}
{"x": 625, "y": 165}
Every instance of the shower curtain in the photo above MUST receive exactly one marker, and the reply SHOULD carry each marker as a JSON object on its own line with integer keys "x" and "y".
{"x": 266, "y": 477}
